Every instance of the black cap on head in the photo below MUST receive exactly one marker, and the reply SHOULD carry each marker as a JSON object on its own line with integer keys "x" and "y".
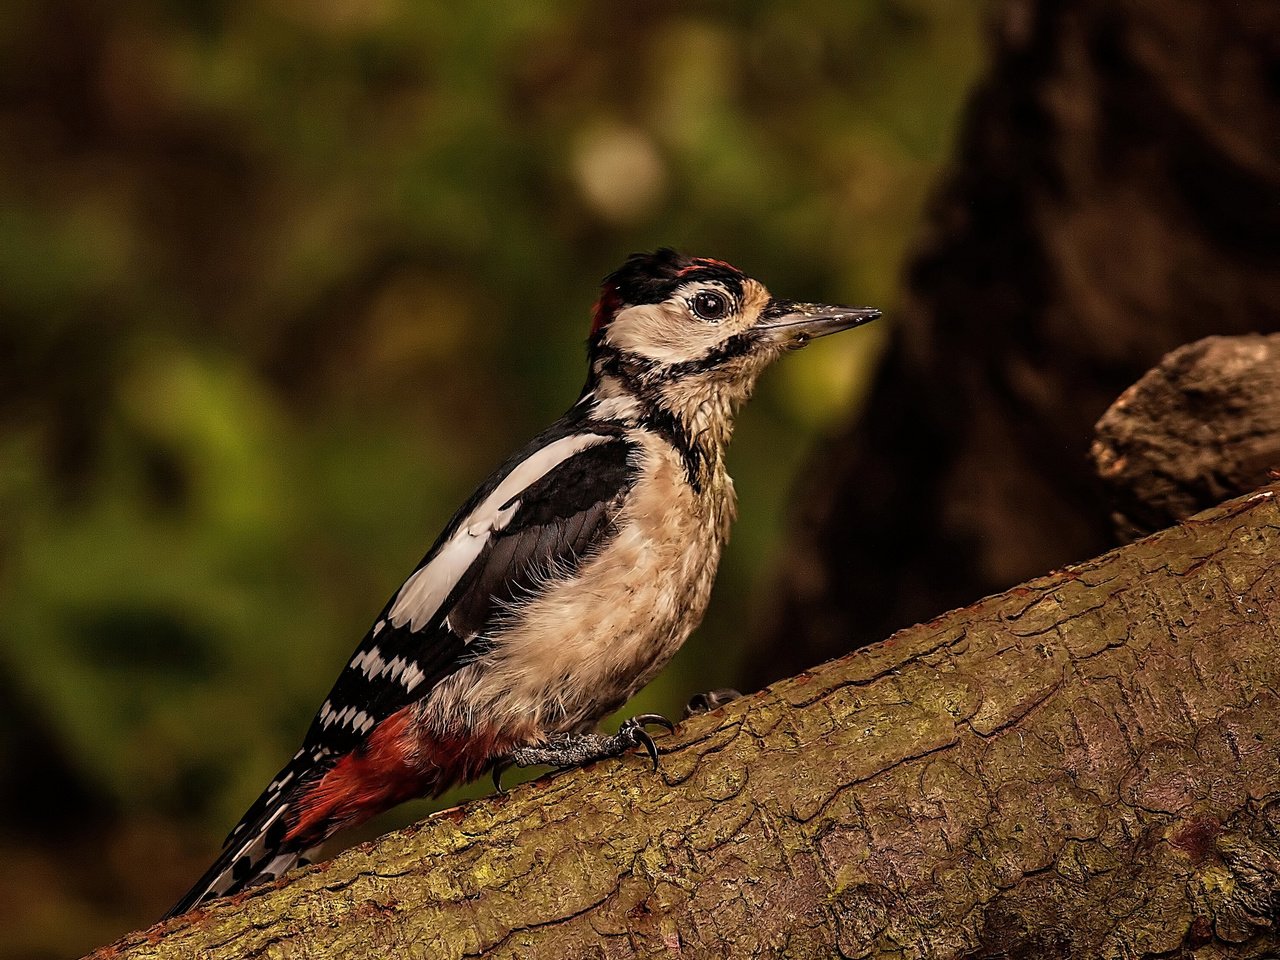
{"x": 652, "y": 277}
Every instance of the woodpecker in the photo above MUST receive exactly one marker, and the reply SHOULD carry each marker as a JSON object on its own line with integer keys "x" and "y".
{"x": 561, "y": 587}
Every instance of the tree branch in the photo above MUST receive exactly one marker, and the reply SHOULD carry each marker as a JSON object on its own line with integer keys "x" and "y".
{"x": 1201, "y": 426}
{"x": 1085, "y": 765}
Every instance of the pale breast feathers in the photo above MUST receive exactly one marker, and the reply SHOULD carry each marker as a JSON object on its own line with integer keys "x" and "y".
{"x": 593, "y": 640}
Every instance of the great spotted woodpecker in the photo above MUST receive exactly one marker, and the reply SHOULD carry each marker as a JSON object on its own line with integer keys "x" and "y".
{"x": 561, "y": 587}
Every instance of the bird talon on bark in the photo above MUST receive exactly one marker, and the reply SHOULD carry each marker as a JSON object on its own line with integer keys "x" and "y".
{"x": 650, "y": 747}
{"x": 633, "y": 733}
{"x": 710, "y": 700}
{"x": 645, "y": 719}
{"x": 499, "y": 769}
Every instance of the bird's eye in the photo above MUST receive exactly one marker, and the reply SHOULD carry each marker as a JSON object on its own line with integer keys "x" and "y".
{"x": 709, "y": 305}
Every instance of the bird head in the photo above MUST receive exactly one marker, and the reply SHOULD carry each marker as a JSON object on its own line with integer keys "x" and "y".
{"x": 684, "y": 331}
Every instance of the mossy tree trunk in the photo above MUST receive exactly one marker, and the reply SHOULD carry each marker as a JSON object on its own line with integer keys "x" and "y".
{"x": 1086, "y": 765}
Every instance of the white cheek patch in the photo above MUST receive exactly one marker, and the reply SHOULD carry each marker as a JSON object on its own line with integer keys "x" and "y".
{"x": 422, "y": 594}
{"x": 662, "y": 333}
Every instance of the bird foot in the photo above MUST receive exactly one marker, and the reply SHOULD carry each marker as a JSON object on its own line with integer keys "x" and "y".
{"x": 577, "y": 749}
{"x": 711, "y": 700}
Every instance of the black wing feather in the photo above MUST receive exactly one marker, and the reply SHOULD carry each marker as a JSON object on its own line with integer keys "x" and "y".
{"x": 563, "y": 518}
{"x": 559, "y": 520}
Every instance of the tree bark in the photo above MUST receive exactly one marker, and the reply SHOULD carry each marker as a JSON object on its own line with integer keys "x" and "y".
{"x": 1086, "y": 765}
{"x": 1202, "y": 426}
{"x": 1116, "y": 194}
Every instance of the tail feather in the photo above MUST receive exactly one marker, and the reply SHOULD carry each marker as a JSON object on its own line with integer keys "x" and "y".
{"x": 258, "y": 853}
{"x": 259, "y": 848}
{"x": 318, "y": 793}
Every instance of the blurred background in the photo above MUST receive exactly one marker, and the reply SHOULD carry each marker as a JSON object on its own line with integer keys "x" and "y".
{"x": 281, "y": 281}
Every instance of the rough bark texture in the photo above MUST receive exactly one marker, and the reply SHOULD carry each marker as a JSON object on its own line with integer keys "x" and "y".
{"x": 1202, "y": 426}
{"x": 1116, "y": 194}
{"x": 1086, "y": 765}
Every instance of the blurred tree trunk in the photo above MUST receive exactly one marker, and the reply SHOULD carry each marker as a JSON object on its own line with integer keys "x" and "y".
{"x": 1084, "y": 766}
{"x": 1116, "y": 194}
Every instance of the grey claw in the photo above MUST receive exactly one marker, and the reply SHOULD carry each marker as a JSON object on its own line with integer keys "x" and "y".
{"x": 642, "y": 735}
{"x": 634, "y": 730}
{"x": 655, "y": 718}
{"x": 499, "y": 769}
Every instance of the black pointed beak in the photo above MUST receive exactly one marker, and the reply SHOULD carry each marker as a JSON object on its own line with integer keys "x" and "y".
{"x": 788, "y": 322}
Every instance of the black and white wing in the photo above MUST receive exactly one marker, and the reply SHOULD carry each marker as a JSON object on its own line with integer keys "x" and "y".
{"x": 546, "y": 509}
{"x": 539, "y": 516}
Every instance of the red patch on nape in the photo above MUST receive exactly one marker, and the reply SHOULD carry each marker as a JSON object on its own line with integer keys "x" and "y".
{"x": 701, "y": 263}
{"x": 398, "y": 762}
{"x": 608, "y": 304}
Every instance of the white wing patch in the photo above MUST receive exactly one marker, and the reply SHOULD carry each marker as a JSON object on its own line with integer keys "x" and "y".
{"x": 412, "y": 676}
{"x": 369, "y": 662}
{"x": 423, "y": 593}
{"x": 352, "y": 717}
